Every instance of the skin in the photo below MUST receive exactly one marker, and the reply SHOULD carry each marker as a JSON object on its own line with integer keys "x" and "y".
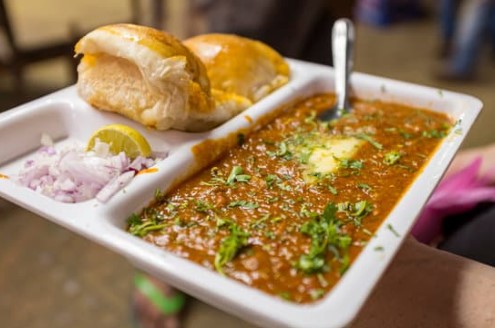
{"x": 427, "y": 287}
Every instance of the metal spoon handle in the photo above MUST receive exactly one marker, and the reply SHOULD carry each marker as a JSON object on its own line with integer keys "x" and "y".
{"x": 342, "y": 46}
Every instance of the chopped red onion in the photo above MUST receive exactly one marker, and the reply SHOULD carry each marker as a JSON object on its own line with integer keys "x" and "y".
{"x": 72, "y": 175}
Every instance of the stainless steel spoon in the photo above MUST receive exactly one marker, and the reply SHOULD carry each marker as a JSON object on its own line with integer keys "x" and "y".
{"x": 342, "y": 48}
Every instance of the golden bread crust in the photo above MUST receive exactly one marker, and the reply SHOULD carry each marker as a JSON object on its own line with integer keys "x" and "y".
{"x": 239, "y": 65}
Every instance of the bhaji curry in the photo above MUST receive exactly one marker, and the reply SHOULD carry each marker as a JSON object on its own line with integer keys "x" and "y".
{"x": 289, "y": 209}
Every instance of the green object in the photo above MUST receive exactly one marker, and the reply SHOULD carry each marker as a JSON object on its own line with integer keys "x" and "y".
{"x": 230, "y": 247}
{"x": 167, "y": 305}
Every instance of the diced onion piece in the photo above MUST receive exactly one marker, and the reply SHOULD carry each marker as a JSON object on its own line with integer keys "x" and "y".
{"x": 73, "y": 175}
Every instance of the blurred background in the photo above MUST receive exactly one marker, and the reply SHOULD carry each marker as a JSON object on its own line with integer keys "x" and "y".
{"x": 50, "y": 277}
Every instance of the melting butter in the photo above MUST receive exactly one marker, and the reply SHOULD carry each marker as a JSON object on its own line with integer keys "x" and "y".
{"x": 324, "y": 154}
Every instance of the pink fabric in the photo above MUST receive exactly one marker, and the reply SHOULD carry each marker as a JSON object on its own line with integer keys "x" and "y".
{"x": 458, "y": 193}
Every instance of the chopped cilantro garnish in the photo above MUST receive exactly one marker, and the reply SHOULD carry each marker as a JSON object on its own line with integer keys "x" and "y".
{"x": 325, "y": 232}
{"x": 438, "y": 134}
{"x": 357, "y": 211}
{"x": 270, "y": 235}
{"x": 285, "y": 295}
{"x": 230, "y": 247}
{"x": 311, "y": 118}
{"x": 405, "y": 134}
{"x": 236, "y": 175}
{"x": 140, "y": 228}
{"x": 179, "y": 222}
{"x": 321, "y": 279}
{"x": 347, "y": 163}
{"x": 391, "y": 157}
{"x": 344, "y": 263}
{"x": 158, "y": 194}
{"x": 392, "y": 229}
{"x": 272, "y": 199}
{"x": 243, "y": 204}
{"x": 240, "y": 139}
{"x": 369, "y": 139}
{"x": 221, "y": 222}
{"x": 316, "y": 293}
{"x": 284, "y": 186}
{"x": 260, "y": 223}
{"x": 282, "y": 151}
{"x": 304, "y": 156}
{"x": 134, "y": 220}
{"x": 332, "y": 190}
{"x": 364, "y": 187}
{"x": 271, "y": 179}
{"x": 216, "y": 178}
{"x": 202, "y": 206}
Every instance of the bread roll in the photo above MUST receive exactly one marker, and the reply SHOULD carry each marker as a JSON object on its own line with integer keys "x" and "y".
{"x": 239, "y": 66}
{"x": 148, "y": 76}
{"x": 154, "y": 79}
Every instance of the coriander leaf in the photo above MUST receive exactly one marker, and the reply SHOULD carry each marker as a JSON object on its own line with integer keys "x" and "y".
{"x": 243, "y": 204}
{"x": 271, "y": 179}
{"x": 282, "y": 151}
{"x": 270, "y": 235}
{"x": 405, "y": 134}
{"x": 216, "y": 178}
{"x": 203, "y": 207}
{"x": 332, "y": 190}
{"x": 392, "y": 229}
{"x": 284, "y": 186}
{"x": 369, "y": 139}
{"x": 158, "y": 194}
{"x": 240, "y": 139}
{"x": 260, "y": 223}
{"x": 304, "y": 156}
{"x": 134, "y": 219}
{"x": 236, "y": 175}
{"x": 347, "y": 163}
{"x": 326, "y": 235}
{"x": 230, "y": 247}
{"x": 392, "y": 157}
{"x": 309, "y": 263}
{"x": 436, "y": 134}
{"x": 364, "y": 187}
{"x": 285, "y": 295}
{"x": 140, "y": 228}
{"x": 357, "y": 211}
{"x": 221, "y": 222}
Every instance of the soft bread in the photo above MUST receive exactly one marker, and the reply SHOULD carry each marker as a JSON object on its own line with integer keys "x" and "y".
{"x": 239, "y": 66}
{"x": 148, "y": 76}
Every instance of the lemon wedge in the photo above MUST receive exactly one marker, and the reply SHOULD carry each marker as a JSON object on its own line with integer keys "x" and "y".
{"x": 121, "y": 138}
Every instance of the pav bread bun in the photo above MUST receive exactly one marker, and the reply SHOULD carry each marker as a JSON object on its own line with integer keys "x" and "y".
{"x": 239, "y": 67}
{"x": 148, "y": 76}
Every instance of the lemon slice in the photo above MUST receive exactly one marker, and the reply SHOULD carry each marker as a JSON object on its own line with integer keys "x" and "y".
{"x": 121, "y": 138}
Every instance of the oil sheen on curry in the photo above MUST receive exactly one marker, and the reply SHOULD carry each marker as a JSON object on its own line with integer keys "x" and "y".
{"x": 289, "y": 209}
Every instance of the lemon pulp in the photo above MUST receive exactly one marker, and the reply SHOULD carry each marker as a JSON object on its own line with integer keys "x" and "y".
{"x": 121, "y": 138}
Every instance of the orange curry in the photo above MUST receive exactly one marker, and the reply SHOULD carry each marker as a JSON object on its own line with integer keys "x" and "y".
{"x": 289, "y": 209}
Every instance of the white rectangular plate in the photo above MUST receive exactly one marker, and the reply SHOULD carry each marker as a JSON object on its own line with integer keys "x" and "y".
{"x": 67, "y": 118}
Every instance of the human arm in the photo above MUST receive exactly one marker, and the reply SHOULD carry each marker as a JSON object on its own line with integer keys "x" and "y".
{"x": 427, "y": 287}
